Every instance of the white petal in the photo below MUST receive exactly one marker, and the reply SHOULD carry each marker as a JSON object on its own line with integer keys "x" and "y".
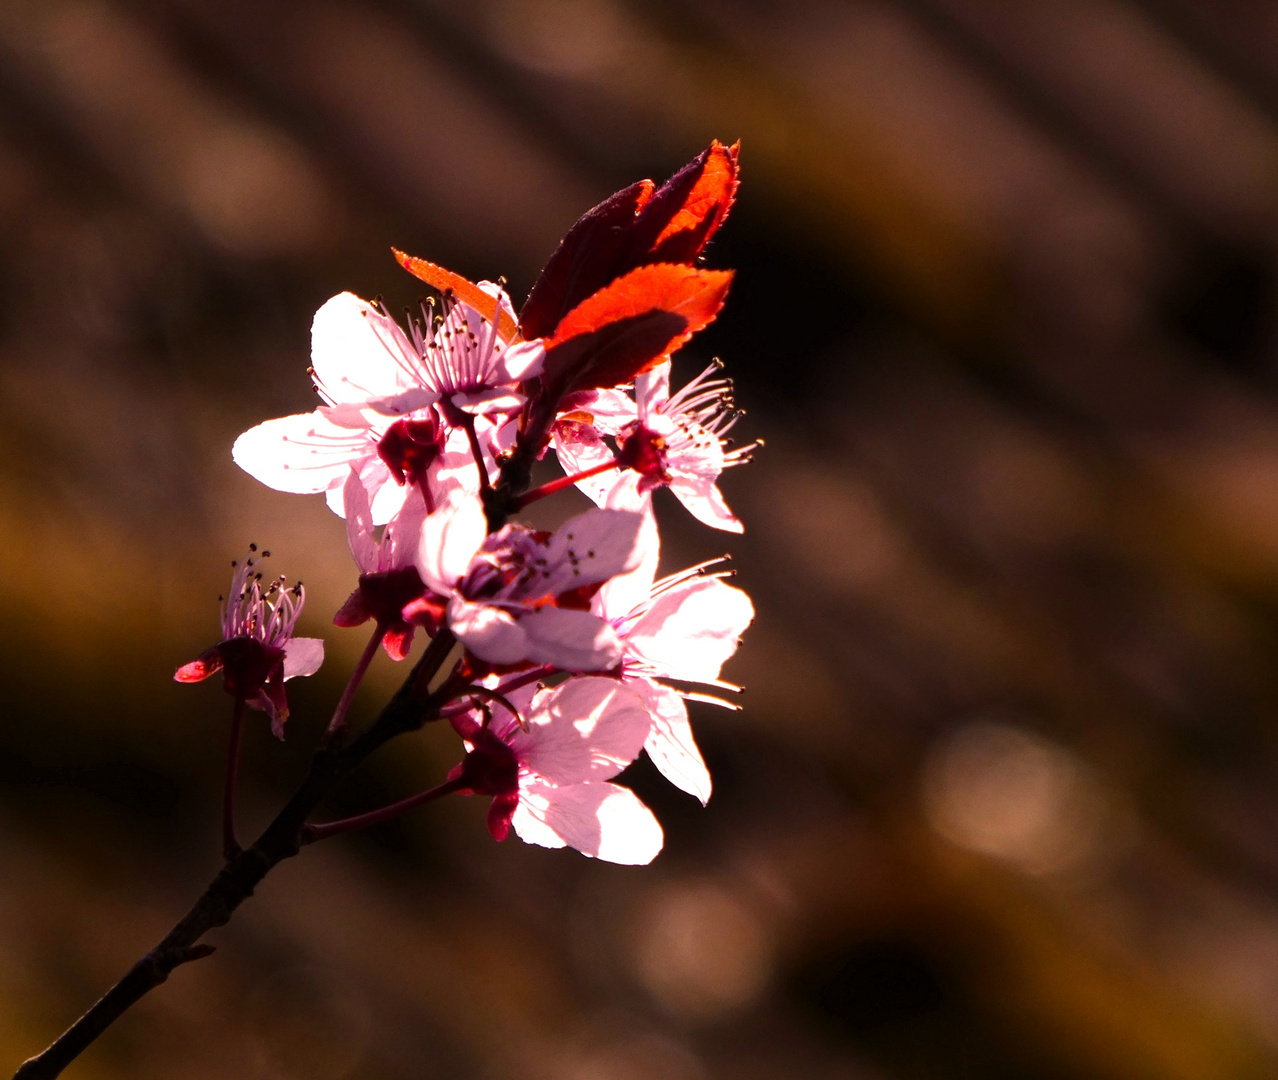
{"x": 691, "y": 629}
{"x": 303, "y": 656}
{"x": 670, "y": 743}
{"x": 450, "y": 538}
{"x": 359, "y": 355}
{"x": 359, "y": 524}
{"x": 489, "y": 632}
{"x": 571, "y": 640}
{"x": 591, "y": 547}
{"x": 601, "y": 820}
{"x": 586, "y": 728}
{"x": 304, "y": 453}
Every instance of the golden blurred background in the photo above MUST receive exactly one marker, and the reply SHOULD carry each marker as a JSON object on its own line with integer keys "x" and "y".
{"x": 1002, "y": 803}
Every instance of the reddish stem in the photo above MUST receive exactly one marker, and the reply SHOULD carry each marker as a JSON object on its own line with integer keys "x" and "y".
{"x": 230, "y": 845}
{"x": 337, "y": 726}
{"x": 468, "y": 423}
{"x": 311, "y": 833}
{"x": 561, "y": 483}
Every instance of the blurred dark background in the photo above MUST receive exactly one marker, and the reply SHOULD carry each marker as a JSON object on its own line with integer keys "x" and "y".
{"x": 1003, "y": 801}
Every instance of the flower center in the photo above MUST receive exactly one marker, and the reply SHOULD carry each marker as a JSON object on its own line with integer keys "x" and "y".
{"x": 645, "y": 451}
{"x": 409, "y": 447}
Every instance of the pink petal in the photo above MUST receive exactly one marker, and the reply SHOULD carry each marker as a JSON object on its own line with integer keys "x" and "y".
{"x": 592, "y": 547}
{"x": 403, "y": 535}
{"x": 705, "y": 503}
{"x": 619, "y": 596}
{"x": 670, "y": 744}
{"x": 450, "y": 538}
{"x": 609, "y": 410}
{"x": 358, "y": 354}
{"x": 359, "y": 524}
{"x": 692, "y": 628}
{"x": 652, "y": 388}
{"x": 569, "y": 639}
{"x": 387, "y": 496}
{"x": 601, "y": 820}
{"x": 489, "y": 632}
{"x": 303, "y": 656}
{"x": 587, "y": 728}
{"x": 494, "y": 399}
{"x": 520, "y": 362}
{"x": 579, "y": 447}
{"x": 304, "y": 454}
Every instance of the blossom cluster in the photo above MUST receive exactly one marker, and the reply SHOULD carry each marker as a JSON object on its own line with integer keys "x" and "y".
{"x": 575, "y": 656}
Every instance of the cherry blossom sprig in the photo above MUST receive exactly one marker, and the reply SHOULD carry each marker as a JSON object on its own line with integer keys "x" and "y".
{"x": 556, "y": 657}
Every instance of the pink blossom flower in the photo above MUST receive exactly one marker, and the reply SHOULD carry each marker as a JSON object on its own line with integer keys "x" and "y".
{"x": 681, "y": 628}
{"x": 518, "y": 595}
{"x": 549, "y": 777}
{"x": 388, "y": 578}
{"x": 258, "y": 652}
{"x": 392, "y": 404}
{"x": 674, "y": 441}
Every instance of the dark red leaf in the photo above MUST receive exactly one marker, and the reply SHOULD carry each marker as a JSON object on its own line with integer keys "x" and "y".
{"x": 456, "y": 285}
{"x": 703, "y": 204}
{"x": 677, "y": 222}
{"x": 626, "y": 327}
{"x": 584, "y": 261}
{"x": 635, "y": 227}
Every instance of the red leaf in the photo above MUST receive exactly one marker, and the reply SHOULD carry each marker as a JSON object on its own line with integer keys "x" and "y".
{"x": 584, "y": 261}
{"x": 466, "y": 291}
{"x": 702, "y": 205}
{"x": 626, "y": 327}
{"x": 635, "y": 227}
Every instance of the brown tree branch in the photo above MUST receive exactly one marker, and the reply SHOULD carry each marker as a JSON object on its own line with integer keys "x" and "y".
{"x": 412, "y": 706}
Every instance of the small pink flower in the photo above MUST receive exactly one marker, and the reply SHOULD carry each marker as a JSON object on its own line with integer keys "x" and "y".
{"x": 518, "y": 595}
{"x": 681, "y": 628}
{"x": 388, "y": 578}
{"x": 549, "y": 777}
{"x": 675, "y": 441}
{"x": 258, "y": 652}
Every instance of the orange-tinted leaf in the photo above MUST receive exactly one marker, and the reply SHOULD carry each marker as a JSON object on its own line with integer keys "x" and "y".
{"x": 466, "y": 291}
{"x": 704, "y": 203}
{"x": 585, "y": 260}
{"x": 626, "y": 327}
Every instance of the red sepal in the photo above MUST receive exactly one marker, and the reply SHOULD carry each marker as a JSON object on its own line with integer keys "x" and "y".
{"x": 207, "y": 663}
{"x": 500, "y": 812}
{"x": 626, "y": 327}
{"x": 635, "y": 227}
{"x": 467, "y": 291}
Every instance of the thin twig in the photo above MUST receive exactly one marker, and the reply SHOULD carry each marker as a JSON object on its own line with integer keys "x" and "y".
{"x": 337, "y": 725}
{"x": 230, "y": 845}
